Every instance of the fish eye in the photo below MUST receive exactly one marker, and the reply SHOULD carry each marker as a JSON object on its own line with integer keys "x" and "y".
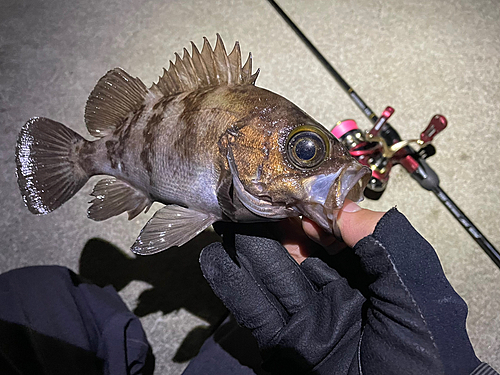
{"x": 306, "y": 147}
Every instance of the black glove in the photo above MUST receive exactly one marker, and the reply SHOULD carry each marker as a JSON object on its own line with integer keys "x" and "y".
{"x": 386, "y": 309}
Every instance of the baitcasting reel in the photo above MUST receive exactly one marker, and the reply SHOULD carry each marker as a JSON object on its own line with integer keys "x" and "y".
{"x": 381, "y": 148}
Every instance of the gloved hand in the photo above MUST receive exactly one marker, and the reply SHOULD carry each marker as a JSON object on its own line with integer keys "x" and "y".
{"x": 382, "y": 307}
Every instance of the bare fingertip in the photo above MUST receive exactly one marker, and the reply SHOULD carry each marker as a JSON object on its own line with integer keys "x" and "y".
{"x": 311, "y": 229}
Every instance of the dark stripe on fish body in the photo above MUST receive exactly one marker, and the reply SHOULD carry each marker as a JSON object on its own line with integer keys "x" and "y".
{"x": 86, "y": 154}
{"x": 187, "y": 140}
{"x": 155, "y": 107}
{"x": 124, "y": 130}
{"x": 111, "y": 148}
{"x": 134, "y": 120}
{"x": 149, "y": 137}
{"x": 163, "y": 102}
{"x": 116, "y": 147}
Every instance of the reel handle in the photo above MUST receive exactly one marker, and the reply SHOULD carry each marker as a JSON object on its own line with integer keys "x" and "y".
{"x": 437, "y": 125}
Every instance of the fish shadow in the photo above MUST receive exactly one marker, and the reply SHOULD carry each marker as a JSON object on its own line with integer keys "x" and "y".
{"x": 176, "y": 279}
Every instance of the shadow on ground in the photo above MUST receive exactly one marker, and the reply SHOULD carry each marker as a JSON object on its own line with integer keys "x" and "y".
{"x": 176, "y": 279}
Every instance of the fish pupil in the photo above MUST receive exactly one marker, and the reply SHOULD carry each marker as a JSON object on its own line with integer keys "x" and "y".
{"x": 305, "y": 149}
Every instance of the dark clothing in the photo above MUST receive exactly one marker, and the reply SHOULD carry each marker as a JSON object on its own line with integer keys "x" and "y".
{"x": 52, "y": 322}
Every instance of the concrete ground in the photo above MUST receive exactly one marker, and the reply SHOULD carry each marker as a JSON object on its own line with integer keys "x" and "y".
{"x": 422, "y": 58}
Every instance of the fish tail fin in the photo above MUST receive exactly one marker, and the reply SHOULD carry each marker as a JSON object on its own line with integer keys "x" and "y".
{"x": 48, "y": 168}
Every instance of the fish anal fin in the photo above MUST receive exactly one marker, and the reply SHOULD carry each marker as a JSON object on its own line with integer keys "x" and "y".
{"x": 116, "y": 96}
{"x": 210, "y": 67}
{"x": 114, "y": 197}
{"x": 171, "y": 226}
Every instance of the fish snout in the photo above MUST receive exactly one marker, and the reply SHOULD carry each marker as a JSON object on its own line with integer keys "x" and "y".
{"x": 327, "y": 193}
{"x": 350, "y": 185}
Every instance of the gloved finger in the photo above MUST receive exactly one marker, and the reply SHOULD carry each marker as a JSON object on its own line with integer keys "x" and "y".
{"x": 241, "y": 293}
{"x": 276, "y": 269}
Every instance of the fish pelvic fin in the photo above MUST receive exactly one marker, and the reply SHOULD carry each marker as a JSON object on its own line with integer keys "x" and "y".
{"x": 116, "y": 96}
{"x": 210, "y": 67}
{"x": 171, "y": 226}
{"x": 113, "y": 197}
{"x": 48, "y": 168}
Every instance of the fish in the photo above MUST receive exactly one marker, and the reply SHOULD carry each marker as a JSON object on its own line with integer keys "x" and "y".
{"x": 204, "y": 140}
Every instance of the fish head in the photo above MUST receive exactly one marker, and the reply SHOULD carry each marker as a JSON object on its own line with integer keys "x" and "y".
{"x": 284, "y": 163}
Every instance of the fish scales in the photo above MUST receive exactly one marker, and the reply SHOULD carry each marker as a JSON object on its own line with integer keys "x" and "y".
{"x": 204, "y": 141}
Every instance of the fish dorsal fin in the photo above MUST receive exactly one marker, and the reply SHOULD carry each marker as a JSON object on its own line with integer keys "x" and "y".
{"x": 115, "y": 97}
{"x": 210, "y": 67}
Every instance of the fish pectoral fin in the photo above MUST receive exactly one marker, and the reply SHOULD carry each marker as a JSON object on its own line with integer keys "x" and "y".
{"x": 171, "y": 226}
{"x": 116, "y": 96}
{"x": 113, "y": 197}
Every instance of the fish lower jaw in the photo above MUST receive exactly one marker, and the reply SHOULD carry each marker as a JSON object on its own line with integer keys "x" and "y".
{"x": 327, "y": 194}
{"x": 321, "y": 215}
{"x": 354, "y": 186}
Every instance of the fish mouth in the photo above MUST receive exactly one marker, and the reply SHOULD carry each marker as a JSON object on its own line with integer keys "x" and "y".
{"x": 326, "y": 194}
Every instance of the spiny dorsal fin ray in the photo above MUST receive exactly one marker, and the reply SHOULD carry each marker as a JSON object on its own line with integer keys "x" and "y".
{"x": 210, "y": 67}
{"x": 115, "y": 96}
{"x": 235, "y": 61}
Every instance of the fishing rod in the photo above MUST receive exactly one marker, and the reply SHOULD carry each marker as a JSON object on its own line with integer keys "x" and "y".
{"x": 382, "y": 147}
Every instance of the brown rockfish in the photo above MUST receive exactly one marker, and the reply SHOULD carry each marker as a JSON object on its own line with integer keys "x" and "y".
{"x": 204, "y": 141}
